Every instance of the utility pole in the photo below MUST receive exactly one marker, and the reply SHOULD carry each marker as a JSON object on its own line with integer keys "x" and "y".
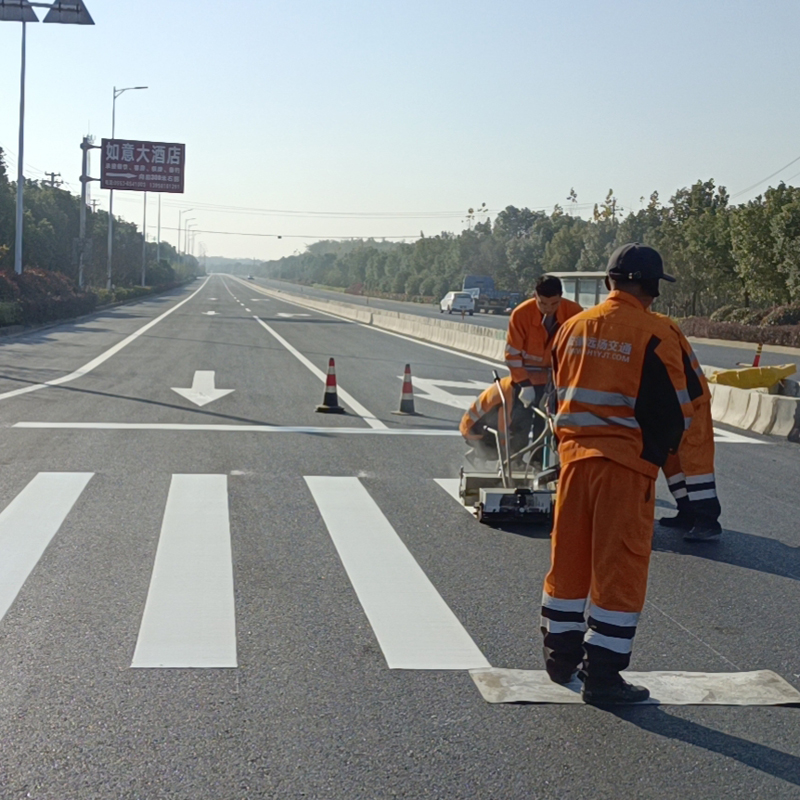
{"x": 53, "y": 176}
{"x": 94, "y": 204}
{"x": 86, "y": 146}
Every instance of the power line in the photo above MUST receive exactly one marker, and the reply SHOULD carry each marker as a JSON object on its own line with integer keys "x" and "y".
{"x": 293, "y": 235}
{"x": 764, "y": 180}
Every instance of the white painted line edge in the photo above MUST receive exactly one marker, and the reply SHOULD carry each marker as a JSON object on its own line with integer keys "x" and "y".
{"x": 168, "y": 426}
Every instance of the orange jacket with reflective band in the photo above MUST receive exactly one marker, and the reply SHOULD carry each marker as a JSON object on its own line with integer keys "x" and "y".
{"x": 488, "y": 401}
{"x": 696, "y": 382}
{"x": 618, "y": 371}
{"x": 528, "y": 343}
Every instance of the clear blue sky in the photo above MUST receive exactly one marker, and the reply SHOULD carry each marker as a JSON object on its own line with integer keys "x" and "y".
{"x": 409, "y": 109}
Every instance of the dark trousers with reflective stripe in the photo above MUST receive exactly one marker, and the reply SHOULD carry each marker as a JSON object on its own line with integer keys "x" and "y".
{"x": 690, "y": 471}
{"x": 600, "y": 556}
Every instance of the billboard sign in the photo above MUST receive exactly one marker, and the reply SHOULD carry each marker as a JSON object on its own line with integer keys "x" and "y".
{"x": 142, "y": 166}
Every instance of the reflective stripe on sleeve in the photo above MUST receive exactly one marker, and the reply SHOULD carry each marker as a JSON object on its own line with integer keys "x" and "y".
{"x": 677, "y": 478}
{"x": 678, "y": 493}
{"x": 596, "y": 397}
{"x": 585, "y": 419}
{"x": 512, "y": 351}
{"x": 514, "y": 362}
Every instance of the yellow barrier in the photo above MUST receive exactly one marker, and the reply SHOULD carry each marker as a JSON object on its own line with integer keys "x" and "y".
{"x": 753, "y": 377}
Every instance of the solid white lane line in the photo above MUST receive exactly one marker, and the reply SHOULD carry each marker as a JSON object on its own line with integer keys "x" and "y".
{"x": 735, "y": 438}
{"x": 103, "y": 357}
{"x": 175, "y": 426}
{"x": 189, "y": 618}
{"x": 277, "y": 296}
{"x": 450, "y": 485}
{"x": 414, "y": 626}
{"x": 29, "y": 523}
{"x": 362, "y": 412}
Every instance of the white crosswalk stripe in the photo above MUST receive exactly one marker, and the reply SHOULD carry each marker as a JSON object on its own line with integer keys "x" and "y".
{"x": 29, "y": 523}
{"x": 414, "y": 626}
{"x": 189, "y": 619}
{"x": 189, "y": 616}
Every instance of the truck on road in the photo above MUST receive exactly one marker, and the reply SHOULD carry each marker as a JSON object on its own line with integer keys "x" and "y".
{"x": 488, "y": 299}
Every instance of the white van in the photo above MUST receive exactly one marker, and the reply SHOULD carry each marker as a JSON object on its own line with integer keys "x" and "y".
{"x": 458, "y": 302}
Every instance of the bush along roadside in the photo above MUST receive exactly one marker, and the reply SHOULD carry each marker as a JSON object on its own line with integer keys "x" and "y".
{"x": 766, "y": 333}
{"x": 39, "y": 296}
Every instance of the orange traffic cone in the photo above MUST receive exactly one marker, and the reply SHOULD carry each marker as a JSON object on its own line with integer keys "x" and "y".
{"x": 407, "y": 396}
{"x": 757, "y": 358}
{"x": 330, "y": 401}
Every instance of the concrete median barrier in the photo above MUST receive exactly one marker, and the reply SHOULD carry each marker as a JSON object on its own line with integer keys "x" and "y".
{"x": 756, "y": 411}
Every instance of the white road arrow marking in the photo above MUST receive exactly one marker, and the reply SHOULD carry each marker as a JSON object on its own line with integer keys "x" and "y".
{"x": 203, "y": 390}
{"x": 287, "y": 316}
{"x": 209, "y": 313}
{"x": 436, "y": 391}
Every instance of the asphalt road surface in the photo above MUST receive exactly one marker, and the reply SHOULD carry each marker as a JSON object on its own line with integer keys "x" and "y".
{"x": 249, "y": 599}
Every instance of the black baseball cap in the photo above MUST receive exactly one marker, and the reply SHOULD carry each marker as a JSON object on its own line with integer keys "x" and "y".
{"x": 637, "y": 262}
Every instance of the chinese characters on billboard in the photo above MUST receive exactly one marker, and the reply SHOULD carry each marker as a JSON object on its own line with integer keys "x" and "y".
{"x": 142, "y": 166}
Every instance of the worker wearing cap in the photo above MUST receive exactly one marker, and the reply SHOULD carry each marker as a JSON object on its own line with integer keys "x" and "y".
{"x": 690, "y": 471}
{"x": 622, "y": 407}
{"x": 531, "y": 329}
{"x": 487, "y": 413}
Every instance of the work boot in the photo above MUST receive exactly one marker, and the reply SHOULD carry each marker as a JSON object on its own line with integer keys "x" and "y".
{"x": 564, "y": 675}
{"x": 704, "y": 531}
{"x": 683, "y": 520}
{"x": 619, "y": 692}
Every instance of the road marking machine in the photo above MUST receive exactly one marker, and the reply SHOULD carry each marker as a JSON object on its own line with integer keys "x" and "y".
{"x": 521, "y": 488}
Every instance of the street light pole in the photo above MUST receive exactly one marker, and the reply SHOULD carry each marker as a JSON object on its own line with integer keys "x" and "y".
{"x": 117, "y": 93}
{"x": 20, "y": 175}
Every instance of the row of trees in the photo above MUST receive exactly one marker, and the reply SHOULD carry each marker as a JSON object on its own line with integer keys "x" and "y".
{"x": 51, "y": 225}
{"x": 722, "y": 254}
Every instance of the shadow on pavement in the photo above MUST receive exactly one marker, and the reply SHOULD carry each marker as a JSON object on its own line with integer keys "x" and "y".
{"x": 736, "y": 548}
{"x": 765, "y": 759}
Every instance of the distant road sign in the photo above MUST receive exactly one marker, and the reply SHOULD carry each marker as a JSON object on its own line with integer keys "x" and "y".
{"x": 142, "y": 166}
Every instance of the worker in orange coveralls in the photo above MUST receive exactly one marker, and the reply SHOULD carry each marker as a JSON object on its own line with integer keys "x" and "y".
{"x": 622, "y": 407}
{"x": 531, "y": 329}
{"x": 690, "y": 471}
{"x": 487, "y": 412}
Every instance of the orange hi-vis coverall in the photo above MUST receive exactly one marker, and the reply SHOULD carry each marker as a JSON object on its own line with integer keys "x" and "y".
{"x": 528, "y": 342}
{"x": 487, "y": 411}
{"x": 690, "y": 471}
{"x": 622, "y": 406}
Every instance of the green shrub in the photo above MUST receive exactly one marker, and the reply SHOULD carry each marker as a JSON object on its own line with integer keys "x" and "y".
{"x": 104, "y": 296}
{"x": 9, "y": 313}
{"x": 783, "y": 315}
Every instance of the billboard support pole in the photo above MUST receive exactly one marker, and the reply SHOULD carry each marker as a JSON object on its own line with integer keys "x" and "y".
{"x": 144, "y": 242}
